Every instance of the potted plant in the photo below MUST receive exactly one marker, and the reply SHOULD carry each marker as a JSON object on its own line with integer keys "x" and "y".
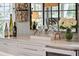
{"x": 68, "y": 24}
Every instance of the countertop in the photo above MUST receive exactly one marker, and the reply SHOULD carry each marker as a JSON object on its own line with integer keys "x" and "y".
{"x": 10, "y": 45}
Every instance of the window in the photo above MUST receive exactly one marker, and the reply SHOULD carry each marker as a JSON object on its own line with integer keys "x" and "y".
{"x": 37, "y": 8}
{"x": 68, "y": 11}
{"x": 5, "y": 10}
{"x": 50, "y": 15}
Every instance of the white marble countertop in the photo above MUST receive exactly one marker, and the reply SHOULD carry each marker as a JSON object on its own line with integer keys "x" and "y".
{"x": 10, "y": 45}
{"x": 64, "y": 44}
{"x": 70, "y": 45}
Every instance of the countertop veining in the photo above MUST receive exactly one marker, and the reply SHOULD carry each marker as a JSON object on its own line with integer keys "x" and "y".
{"x": 11, "y": 45}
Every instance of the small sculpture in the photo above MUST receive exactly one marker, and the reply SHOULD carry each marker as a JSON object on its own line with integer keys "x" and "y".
{"x": 57, "y": 36}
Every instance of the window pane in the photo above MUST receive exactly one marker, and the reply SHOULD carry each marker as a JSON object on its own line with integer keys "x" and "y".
{"x": 49, "y": 14}
{"x": 54, "y": 14}
{"x": 1, "y": 4}
{"x": 32, "y": 7}
{"x": 67, "y": 6}
{"x": 67, "y": 14}
{"x": 55, "y": 8}
{"x": 1, "y": 9}
{"x": 39, "y": 7}
{"x": 7, "y": 15}
{"x": 71, "y": 14}
{"x": 7, "y": 4}
{"x": 2, "y": 27}
{"x": 38, "y": 19}
{"x": 1, "y": 14}
{"x": 36, "y": 7}
{"x": 5, "y": 9}
{"x": 40, "y": 15}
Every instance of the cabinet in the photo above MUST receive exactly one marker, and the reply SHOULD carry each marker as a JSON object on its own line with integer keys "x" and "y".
{"x": 53, "y": 51}
{"x": 21, "y": 48}
{"x": 31, "y": 49}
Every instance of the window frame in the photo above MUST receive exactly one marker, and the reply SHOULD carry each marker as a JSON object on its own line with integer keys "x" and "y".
{"x": 43, "y": 6}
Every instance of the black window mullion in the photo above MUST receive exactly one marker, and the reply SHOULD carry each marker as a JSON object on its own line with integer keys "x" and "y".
{"x": 58, "y": 14}
{"x": 43, "y": 14}
{"x": 76, "y": 15}
{"x": 30, "y": 17}
{"x": 68, "y": 10}
{"x": 51, "y": 12}
{"x": 47, "y": 16}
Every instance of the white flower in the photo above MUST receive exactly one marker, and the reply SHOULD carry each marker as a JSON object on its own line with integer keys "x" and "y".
{"x": 67, "y": 23}
{"x": 74, "y": 22}
{"x": 61, "y": 21}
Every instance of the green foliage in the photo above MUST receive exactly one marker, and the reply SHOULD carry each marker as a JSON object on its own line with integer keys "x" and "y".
{"x": 76, "y": 26}
{"x": 61, "y": 27}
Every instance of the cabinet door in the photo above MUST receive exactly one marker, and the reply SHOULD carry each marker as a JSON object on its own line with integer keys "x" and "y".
{"x": 56, "y": 51}
{"x": 31, "y": 49}
{"x": 31, "y": 52}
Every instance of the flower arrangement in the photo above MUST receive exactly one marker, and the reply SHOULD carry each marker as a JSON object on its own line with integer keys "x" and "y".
{"x": 65, "y": 23}
{"x": 68, "y": 24}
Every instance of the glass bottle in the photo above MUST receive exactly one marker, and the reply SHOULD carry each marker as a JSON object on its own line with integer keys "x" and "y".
{"x": 6, "y": 30}
{"x": 14, "y": 30}
{"x": 34, "y": 25}
{"x": 11, "y": 26}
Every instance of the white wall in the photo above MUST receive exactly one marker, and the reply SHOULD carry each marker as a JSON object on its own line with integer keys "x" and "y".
{"x": 23, "y": 28}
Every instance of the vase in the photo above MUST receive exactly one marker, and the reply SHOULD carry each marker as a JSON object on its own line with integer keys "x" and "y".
{"x": 68, "y": 34}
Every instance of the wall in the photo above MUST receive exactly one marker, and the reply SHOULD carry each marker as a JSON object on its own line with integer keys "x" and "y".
{"x": 23, "y": 28}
